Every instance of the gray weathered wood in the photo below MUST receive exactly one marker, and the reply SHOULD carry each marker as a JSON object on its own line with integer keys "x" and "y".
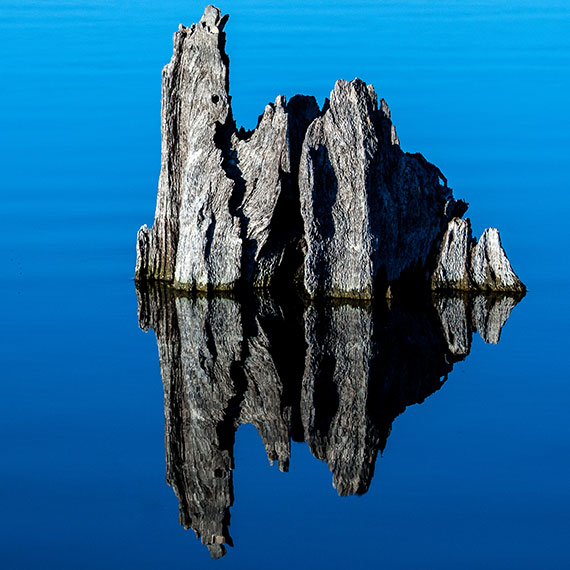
{"x": 220, "y": 189}
{"x": 371, "y": 212}
{"x": 324, "y": 198}
{"x": 465, "y": 264}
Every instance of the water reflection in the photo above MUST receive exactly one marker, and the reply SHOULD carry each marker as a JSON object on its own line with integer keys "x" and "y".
{"x": 334, "y": 375}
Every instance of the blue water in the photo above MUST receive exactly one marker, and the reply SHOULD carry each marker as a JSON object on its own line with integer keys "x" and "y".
{"x": 476, "y": 476}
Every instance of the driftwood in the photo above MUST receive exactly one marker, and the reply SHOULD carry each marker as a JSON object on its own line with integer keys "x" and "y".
{"x": 322, "y": 198}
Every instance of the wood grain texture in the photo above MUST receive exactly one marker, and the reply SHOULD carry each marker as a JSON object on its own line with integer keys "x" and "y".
{"x": 323, "y": 199}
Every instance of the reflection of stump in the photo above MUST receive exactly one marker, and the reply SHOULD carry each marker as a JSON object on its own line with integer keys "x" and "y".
{"x": 333, "y": 374}
{"x": 199, "y": 342}
{"x": 335, "y": 392}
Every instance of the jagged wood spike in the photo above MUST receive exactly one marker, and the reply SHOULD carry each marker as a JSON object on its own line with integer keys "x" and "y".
{"x": 465, "y": 264}
{"x": 324, "y": 198}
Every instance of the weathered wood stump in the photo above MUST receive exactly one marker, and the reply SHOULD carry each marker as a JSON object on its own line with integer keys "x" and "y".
{"x": 323, "y": 198}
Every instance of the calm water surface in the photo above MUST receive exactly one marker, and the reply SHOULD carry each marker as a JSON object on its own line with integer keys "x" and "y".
{"x": 475, "y": 476}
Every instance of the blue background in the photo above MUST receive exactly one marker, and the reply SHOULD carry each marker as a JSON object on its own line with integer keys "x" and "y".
{"x": 477, "y": 476}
